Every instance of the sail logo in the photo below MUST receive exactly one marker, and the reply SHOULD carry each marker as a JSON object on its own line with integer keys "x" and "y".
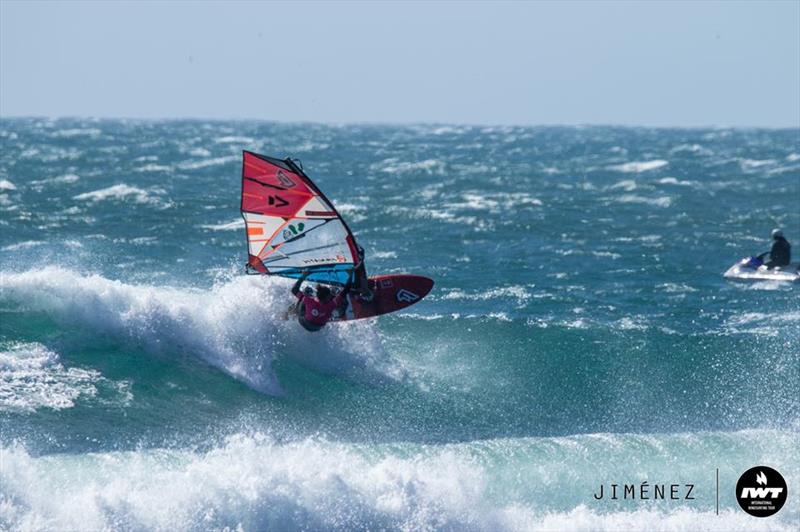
{"x": 406, "y": 296}
{"x": 293, "y": 230}
{"x": 324, "y": 260}
{"x": 761, "y": 491}
{"x": 277, "y": 201}
{"x": 284, "y": 180}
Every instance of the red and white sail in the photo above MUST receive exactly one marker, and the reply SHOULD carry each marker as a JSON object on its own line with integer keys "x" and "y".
{"x": 291, "y": 225}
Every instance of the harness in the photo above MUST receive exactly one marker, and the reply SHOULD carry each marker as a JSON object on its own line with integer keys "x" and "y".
{"x": 301, "y": 317}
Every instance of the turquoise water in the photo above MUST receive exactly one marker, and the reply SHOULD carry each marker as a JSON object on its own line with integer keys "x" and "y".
{"x": 580, "y": 331}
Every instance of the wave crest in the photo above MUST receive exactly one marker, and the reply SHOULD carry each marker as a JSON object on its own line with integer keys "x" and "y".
{"x": 236, "y": 326}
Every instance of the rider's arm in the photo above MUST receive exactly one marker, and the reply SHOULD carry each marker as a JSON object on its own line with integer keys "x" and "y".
{"x": 296, "y": 287}
{"x": 347, "y": 286}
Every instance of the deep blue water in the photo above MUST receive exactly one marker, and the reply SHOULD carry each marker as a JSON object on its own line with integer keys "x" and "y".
{"x": 579, "y": 332}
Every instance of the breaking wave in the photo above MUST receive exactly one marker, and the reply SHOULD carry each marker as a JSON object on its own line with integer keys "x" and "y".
{"x": 236, "y": 326}
{"x": 256, "y": 482}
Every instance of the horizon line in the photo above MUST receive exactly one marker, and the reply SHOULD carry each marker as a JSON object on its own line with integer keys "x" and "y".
{"x": 392, "y": 123}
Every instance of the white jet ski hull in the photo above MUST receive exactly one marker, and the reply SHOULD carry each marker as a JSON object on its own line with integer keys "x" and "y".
{"x": 744, "y": 271}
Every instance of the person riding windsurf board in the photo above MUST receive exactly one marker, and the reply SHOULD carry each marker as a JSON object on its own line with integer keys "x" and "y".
{"x": 294, "y": 230}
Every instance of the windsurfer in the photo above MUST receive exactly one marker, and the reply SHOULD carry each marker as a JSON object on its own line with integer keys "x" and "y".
{"x": 314, "y": 312}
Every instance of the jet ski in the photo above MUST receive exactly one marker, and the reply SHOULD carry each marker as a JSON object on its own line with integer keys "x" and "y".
{"x": 754, "y": 269}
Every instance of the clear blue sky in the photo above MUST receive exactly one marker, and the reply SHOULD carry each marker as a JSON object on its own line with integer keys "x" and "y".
{"x": 632, "y": 63}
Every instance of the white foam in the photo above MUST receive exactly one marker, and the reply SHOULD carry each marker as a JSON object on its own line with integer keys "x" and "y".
{"x": 479, "y": 202}
{"x": 308, "y": 146}
{"x": 78, "y": 132}
{"x": 692, "y": 148}
{"x": 477, "y": 223}
{"x": 792, "y": 157}
{"x": 752, "y": 164}
{"x": 230, "y": 139}
{"x": 236, "y": 326}
{"x": 661, "y": 201}
{"x": 62, "y": 179}
{"x": 248, "y": 483}
{"x": 679, "y": 520}
{"x": 675, "y": 181}
{"x": 234, "y": 225}
{"x": 152, "y": 167}
{"x": 253, "y": 481}
{"x": 354, "y": 213}
{"x": 449, "y": 130}
{"x": 395, "y": 166}
{"x": 676, "y": 288}
{"x": 23, "y": 245}
{"x": 639, "y": 166}
{"x": 651, "y": 239}
{"x": 518, "y": 292}
{"x": 423, "y": 317}
{"x": 31, "y": 377}
{"x": 769, "y": 286}
{"x": 635, "y": 323}
{"x": 117, "y": 192}
{"x": 782, "y": 169}
{"x": 579, "y": 323}
{"x": 5, "y": 184}
{"x": 383, "y": 255}
{"x": 760, "y": 323}
{"x": 205, "y": 163}
{"x": 499, "y": 316}
{"x": 607, "y": 255}
{"x": 144, "y": 240}
{"x": 52, "y": 154}
{"x": 6, "y": 202}
{"x": 628, "y": 185}
{"x": 199, "y": 152}
{"x": 494, "y": 202}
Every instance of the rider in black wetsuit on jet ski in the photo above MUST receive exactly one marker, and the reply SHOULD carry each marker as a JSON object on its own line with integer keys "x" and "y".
{"x": 781, "y": 252}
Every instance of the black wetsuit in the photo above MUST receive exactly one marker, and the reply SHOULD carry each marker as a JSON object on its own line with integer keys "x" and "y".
{"x": 360, "y": 280}
{"x": 780, "y": 254}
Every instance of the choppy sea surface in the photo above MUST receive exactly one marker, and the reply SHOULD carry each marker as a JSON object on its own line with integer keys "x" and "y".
{"x": 580, "y": 332}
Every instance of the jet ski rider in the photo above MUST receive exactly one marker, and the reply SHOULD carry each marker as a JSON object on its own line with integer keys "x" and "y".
{"x": 781, "y": 252}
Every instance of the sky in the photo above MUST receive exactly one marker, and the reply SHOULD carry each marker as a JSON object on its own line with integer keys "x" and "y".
{"x": 673, "y": 64}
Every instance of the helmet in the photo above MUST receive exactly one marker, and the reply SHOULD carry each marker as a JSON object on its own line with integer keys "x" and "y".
{"x": 323, "y": 293}
{"x": 777, "y": 233}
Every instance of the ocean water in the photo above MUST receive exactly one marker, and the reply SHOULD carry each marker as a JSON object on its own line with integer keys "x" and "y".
{"x": 580, "y": 332}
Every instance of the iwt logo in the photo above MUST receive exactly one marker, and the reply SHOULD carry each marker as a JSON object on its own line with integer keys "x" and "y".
{"x": 761, "y": 491}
